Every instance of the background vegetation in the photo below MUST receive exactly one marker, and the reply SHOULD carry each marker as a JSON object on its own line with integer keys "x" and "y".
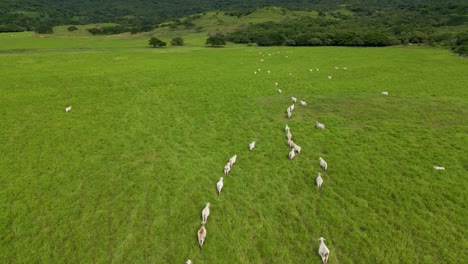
{"x": 323, "y": 23}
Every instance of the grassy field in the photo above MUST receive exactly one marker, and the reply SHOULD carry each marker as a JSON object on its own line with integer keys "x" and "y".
{"x": 123, "y": 177}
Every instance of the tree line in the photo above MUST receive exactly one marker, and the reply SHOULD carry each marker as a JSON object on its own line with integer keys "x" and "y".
{"x": 363, "y": 27}
{"x": 355, "y": 23}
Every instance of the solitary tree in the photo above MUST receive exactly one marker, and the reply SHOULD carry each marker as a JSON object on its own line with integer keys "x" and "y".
{"x": 156, "y": 43}
{"x": 177, "y": 41}
{"x": 217, "y": 40}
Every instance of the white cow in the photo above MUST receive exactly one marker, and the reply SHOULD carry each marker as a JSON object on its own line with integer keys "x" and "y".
{"x": 438, "y": 168}
{"x": 233, "y": 160}
{"x": 297, "y": 148}
{"x": 219, "y": 185}
{"x": 286, "y": 128}
{"x": 251, "y": 146}
{"x": 68, "y": 109}
{"x": 323, "y": 251}
{"x": 201, "y": 234}
{"x": 319, "y": 125}
{"x": 319, "y": 181}
{"x": 205, "y": 213}
{"x": 292, "y": 154}
{"x": 323, "y": 164}
{"x": 227, "y": 168}
{"x": 294, "y": 99}
{"x": 303, "y": 103}
{"x": 385, "y": 93}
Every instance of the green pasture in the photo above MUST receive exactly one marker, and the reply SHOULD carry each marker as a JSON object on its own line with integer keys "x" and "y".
{"x": 27, "y": 41}
{"x": 124, "y": 176}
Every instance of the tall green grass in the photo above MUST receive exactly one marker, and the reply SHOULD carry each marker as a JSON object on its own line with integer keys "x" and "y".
{"x": 124, "y": 176}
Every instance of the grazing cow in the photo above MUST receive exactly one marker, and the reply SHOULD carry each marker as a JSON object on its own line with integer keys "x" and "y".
{"x": 205, "y": 213}
{"x": 319, "y": 181}
{"x": 323, "y": 164}
{"x": 303, "y": 103}
{"x": 294, "y": 99}
{"x": 297, "y": 148}
{"x": 323, "y": 251}
{"x": 292, "y": 154}
{"x": 319, "y": 125}
{"x": 227, "y": 168}
{"x": 219, "y": 185}
{"x": 201, "y": 234}
{"x": 233, "y": 160}
{"x": 251, "y": 146}
{"x": 68, "y": 109}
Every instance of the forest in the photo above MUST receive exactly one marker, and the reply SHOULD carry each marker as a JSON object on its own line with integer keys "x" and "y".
{"x": 362, "y": 27}
{"x": 339, "y": 23}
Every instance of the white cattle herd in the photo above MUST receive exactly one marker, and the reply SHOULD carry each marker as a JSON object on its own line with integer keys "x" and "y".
{"x": 295, "y": 149}
{"x": 323, "y": 250}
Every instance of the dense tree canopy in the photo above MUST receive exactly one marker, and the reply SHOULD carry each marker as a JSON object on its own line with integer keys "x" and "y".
{"x": 437, "y": 25}
{"x": 142, "y": 15}
{"x": 216, "y": 40}
{"x": 177, "y": 41}
{"x": 156, "y": 43}
{"x": 339, "y": 22}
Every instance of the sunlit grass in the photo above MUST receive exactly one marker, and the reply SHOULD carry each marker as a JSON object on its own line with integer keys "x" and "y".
{"x": 124, "y": 176}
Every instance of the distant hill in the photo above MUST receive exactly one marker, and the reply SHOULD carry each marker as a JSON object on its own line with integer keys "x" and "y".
{"x": 313, "y": 22}
{"x": 41, "y": 15}
{"x": 19, "y": 15}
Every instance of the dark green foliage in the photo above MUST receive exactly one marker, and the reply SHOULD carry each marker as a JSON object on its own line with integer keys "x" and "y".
{"x": 216, "y": 40}
{"x": 352, "y": 24}
{"x": 44, "y": 29}
{"x": 94, "y": 31}
{"x": 72, "y": 28}
{"x": 111, "y": 30}
{"x": 137, "y": 13}
{"x": 373, "y": 25}
{"x": 156, "y": 43}
{"x": 177, "y": 41}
